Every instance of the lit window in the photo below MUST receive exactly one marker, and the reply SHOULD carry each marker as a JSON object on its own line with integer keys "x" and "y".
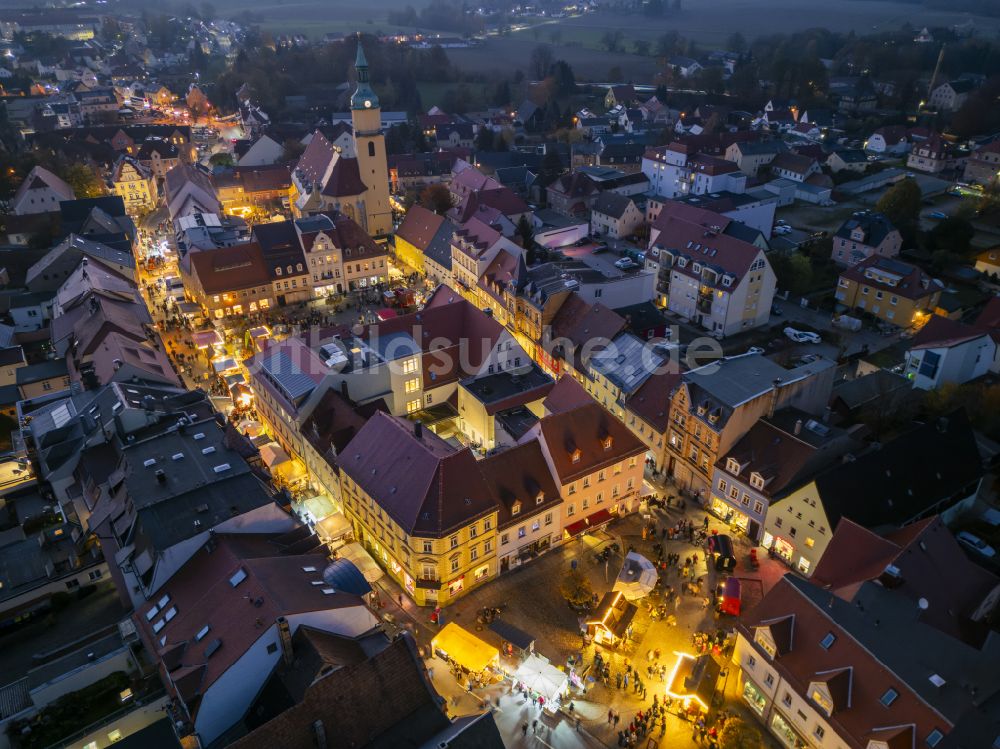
{"x": 413, "y": 385}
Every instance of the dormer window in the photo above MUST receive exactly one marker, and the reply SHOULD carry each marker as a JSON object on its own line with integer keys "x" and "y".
{"x": 539, "y": 498}
{"x": 732, "y": 466}
{"x": 277, "y": 271}
{"x": 289, "y": 270}
{"x": 756, "y": 480}
{"x": 575, "y": 455}
{"x": 763, "y": 639}
{"x": 682, "y": 262}
{"x": 606, "y": 442}
{"x": 515, "y": 509}
{"x": 696, "y": 267}
{"x": 727, "y": 280}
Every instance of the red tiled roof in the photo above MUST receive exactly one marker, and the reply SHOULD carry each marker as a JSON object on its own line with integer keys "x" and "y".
{"x": 915, "y": 284}
{"x": 315, "y": 160}
{"x": 520, "y": 474}
{"x": 264, "y": 178}
{"x": 425, "y": 485}
{"x": 942, "y": 332}
{"x": 345, "y": 179}
{"x": 419, "y": 226}
{"x": 230, "y": 268}
{"x": 585, "y": 429}
{"x": 651, "y": 402}
{"x": 566, "y": 395}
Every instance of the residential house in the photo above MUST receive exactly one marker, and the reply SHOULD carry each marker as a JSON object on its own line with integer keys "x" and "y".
{"x": 214, "y": 664}
{"x": 529, "y": 504}
{"x": 495, "y": 410}
{"x": 713, "y": 406}
{"x": 40, "y": 192}
{"x": 41, "y": 378}
{"x": 933, "y": 156}
{"x": 891, "y": 290}
{"x": 983, "y": 166}
{"x": 134, "y": 183}
{"x": 615, "y": 216}
{"x": 750, "y": 156}
{"x": 864, "y": 235}
{"x": 262, "y": 152}
{"x": 829, "y": 666}
{"x": 573, "y": 194}
{"x": 619, "y": 96}
{"x": 474, "y": 246}
{"x": 619, "y": 367}
{"x": 421, "y": 507}
{"x": 685, "y": 66}
{"x": 774, "y": 458}
{"x": 679, "y": 170}
{"x": 188, "y": 189}
{"x": 753, "y": 211}
{"x": 228, "y": 281}
{"x": 948, "y": 351}
{"x": 415, "y": 235}
{"x": 159, "y": 155}
{"x": 852, "y": 160}
{"x": 950, "y": 95}
{"x": 647, "y": 415}
{"x": 858, "y": 97}
{"x": 931, "y": 469}
{"x": 793, "y": 166}
{"x": 889, "y": 139}
{"x": 596, "y": 463}
{"x": 340, "y": 255}
{"x": 719, "y": 281}
{"x": 455, "y": 135}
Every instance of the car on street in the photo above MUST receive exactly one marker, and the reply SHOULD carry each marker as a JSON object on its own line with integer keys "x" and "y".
{"x": 802, "y": 336}
{"x": 974, "y": 543}
{"x": 781, "y": 229}
{"x": 755, "y": 350}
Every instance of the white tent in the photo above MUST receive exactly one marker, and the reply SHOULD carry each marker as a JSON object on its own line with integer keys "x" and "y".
{"x": 637, "y": 578}
{"x": 540, "y": 676}
{"x": 362, "y": 560}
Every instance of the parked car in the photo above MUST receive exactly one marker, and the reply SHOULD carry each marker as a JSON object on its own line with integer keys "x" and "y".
{"x": 781, "y": 229}
{"x": 755, "y": 350}
{"x": 937, "y": 215}
{"x": 624, "y": 263}
{"x": 802, "y": 336}
{"x": 976, "y": 544}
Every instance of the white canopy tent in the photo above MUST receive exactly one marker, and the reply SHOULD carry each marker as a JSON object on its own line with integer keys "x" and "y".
{"x": 540, "y": 676}
{"x": 637, "y": 578}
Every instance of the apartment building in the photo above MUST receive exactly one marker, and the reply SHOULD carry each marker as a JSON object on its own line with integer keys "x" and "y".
{"x": 678, "y": 169}
{"x": 775, "y": 457}
{"x": 751, "y": 156}
{"x": 474, "y": 246}
{"x": 887, "y": 647}
{"x": 421, "y": 507}
{"x": 715, "y": 405}
{"x": 892, "y": 291}
{"x": 596, "y": 462}
{"x": 933, "y": 468}
{"x": 229, "y": 281}
{"x": 135, "y": 184}
{"x": 707, "y": 273}
{"x": 933, "y": 155}
{"x": 865, "y": 234}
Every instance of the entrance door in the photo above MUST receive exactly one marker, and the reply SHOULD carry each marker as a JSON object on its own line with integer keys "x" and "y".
{"x": 753, "y": 530}
{"x": 281, "y": 300}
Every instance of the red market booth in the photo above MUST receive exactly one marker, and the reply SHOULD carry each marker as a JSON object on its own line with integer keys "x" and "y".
{"x": 728, "y": 596}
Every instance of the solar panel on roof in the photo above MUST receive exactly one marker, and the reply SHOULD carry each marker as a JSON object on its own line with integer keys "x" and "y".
{"x": 287, "y": 375}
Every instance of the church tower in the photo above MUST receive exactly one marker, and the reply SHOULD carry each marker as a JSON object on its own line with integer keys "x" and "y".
{"x": 369, "y": 143}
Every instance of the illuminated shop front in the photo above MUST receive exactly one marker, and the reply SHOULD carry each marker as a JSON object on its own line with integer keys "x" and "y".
{"x": 726, "y": 512}
{"x": 756, "y": 699}
{"x": 786, "y": 733}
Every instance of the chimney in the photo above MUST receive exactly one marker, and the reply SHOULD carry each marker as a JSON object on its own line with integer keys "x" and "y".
{"x": 775, "y": 384}
{"x": 285, "y": 635}
{"x": 161, "y": 476}
{"x": 319, "y": 734}
{"x": 343, "y": 390}
{"x": 798, "y": 426}
{"x": 418, "y": 429}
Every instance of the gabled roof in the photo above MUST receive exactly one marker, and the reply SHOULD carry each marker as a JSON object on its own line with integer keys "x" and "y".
{"x": 792, "y": 162}
{"x": 913, "y": 282}
{"x": 40, "y": 177}
{"x": 566, "y": 395}
{"x": 428, "y": 487}
{"x": 345, "y": 179}
{"x": 917, "y": 473}
{"x": 875, "y": 227}
{"x": 651, "y": 402}
{"x": 612, "y": 204}
{"x": 520, "y": 474}
{"x": 943, "y": 332}
{"x": 419, "y": 227}
{"x": 230, "y": 268}
{"x": 582, "y": 433}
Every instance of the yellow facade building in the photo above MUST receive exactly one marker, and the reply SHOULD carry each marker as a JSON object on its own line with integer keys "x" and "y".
{"x": 421, "y": 508}
{"x": 135, "y": 185}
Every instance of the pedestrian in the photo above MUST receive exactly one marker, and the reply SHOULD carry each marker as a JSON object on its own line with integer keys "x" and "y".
{"x": 611, "y": 715}
{"x": 618, "y": 681}
{"x": 677, "y": 603}
{"x": 400, "y": 598}
{"x": 617, "y": 718}
{"x": 578, "y": 723}
{"x": 524, "y": 728}
{"x": 625, "y": 681}
{"x": 621, "y": 738}
{"x": 534, "y": 726}
{"x": 644, "y": 691}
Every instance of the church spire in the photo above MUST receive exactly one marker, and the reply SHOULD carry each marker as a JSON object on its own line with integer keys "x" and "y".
{"x": 364, "y": 97}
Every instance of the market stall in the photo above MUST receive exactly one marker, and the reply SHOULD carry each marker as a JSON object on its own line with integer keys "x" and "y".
{"x": 540, "y": 677}
{"x": 463, "y": 649}
{"x": 728, "y": 596}
{"x": 637, "y": 578}
{"x": 513, "y": 641}
{"x": 692, "y": 680}
{"x": 611, "y": 623}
